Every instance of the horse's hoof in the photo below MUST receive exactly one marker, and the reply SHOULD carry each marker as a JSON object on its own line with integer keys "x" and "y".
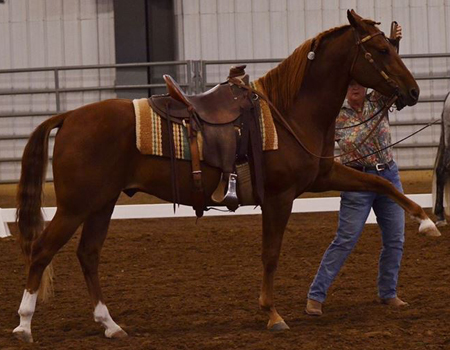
{"x": 441, "y": 223}
{"x": 428, "y": 228}
{"x": 279, "y": 327}
{"x": 23, "y": 335}
{"x": 431, "y": 232}
{"x": 118, "y": 333}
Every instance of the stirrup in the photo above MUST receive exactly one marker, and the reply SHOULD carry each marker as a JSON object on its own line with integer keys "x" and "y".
{"x": 231, "y": 199}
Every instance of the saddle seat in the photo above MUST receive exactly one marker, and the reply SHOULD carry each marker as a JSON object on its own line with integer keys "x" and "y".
{"x": 219, "y": 105}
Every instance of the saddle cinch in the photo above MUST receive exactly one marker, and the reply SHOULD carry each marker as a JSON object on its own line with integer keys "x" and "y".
{"x": 225, "y": 121}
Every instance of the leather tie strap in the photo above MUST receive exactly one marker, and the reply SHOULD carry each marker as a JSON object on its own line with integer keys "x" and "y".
{"x": 173, "y": 165}
{"x": 198, "y": 198}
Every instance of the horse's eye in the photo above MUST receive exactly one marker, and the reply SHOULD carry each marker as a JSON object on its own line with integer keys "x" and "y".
{"x": 383, "y": 51}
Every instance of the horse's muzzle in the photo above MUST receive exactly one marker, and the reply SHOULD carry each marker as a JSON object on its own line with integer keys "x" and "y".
{"x": 407, "y": 100}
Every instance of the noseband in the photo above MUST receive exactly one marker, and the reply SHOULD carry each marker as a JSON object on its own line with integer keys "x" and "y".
{"x": 368, "y": 56}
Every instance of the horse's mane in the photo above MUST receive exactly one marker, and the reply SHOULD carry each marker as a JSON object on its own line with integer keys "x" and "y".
{"x": 282, "y": 83}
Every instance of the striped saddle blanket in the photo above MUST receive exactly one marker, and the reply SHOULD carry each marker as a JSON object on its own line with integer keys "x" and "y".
{"x": 152, "y": 136}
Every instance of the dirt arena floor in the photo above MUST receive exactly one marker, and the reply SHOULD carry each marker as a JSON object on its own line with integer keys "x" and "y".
{"x": 175, "y": 284}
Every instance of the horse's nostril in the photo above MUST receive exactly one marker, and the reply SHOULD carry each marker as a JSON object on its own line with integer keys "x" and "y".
{"x": 414, "y": 93}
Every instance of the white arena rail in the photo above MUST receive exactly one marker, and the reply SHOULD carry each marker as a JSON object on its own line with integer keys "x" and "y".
{"x": 153, "y": 211}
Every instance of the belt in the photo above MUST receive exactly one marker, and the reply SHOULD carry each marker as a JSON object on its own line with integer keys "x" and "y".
{"x": 377, "y": 167}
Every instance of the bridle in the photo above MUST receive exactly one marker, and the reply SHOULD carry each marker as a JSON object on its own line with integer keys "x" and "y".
{"x": 367, "y": 56}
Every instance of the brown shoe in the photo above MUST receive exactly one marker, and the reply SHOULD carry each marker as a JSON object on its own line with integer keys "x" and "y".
{"x": 396, "y": 302}
{"x": 313, "y": 308}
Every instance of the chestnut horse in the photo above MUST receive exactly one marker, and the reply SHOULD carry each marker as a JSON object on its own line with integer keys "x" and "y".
{"x": 95, "y": 158}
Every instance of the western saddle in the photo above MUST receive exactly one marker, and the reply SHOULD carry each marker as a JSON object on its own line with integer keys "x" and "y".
{"x": 226, "y": 119}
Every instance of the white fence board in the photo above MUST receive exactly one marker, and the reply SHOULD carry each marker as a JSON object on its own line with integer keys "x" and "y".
{"x": 151, "y": 211}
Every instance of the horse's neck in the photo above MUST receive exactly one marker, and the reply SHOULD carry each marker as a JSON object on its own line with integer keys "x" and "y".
{"x": 325, "y": 84}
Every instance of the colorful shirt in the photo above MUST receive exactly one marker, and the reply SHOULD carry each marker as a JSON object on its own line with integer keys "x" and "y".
{"x": 352, "y": 137}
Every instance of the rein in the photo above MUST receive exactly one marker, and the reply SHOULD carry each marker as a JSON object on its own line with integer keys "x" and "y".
{"x": 395, "y": 143}
{"x": 288, "y": 127}
{"x": 363, "y": 122}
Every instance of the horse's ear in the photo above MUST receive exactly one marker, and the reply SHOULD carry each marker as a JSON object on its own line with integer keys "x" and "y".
{"x": 351, "y": 15}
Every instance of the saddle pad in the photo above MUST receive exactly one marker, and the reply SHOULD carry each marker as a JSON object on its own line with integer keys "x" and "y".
{"x": 268, "y": 132}
{"x": 152, "y": 137}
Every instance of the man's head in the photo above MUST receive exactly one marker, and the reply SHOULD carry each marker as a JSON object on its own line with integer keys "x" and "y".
{"x": 355, "y": 93}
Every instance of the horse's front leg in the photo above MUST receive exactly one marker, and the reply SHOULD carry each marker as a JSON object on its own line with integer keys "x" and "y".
{"x": 275, "y": 212}
{"x": 342, "y": 178}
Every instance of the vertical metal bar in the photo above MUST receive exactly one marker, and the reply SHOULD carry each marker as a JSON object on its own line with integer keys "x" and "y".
{"x": 190, "y": 87}
{"x": 57, "y": 96}
{"x": 203, "y": 75}
{"x": 195, "y": 74}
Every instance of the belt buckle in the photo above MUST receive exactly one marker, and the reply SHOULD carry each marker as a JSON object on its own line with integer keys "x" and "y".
{"x": 380, "y": 166}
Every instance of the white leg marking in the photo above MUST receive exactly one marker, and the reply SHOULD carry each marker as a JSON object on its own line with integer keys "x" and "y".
{"x": 101, "y": 315}
{"x": 26, "y": 311}
{"x": 429, "y": 227}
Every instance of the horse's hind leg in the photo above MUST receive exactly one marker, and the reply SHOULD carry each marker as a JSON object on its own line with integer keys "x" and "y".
{"x": 52, "y": 239}
{"x": 93, "y": 236}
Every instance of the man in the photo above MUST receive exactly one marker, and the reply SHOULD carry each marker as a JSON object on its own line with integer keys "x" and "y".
{"x": 355, "y": 206}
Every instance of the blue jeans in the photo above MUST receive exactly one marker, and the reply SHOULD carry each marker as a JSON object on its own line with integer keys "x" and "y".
{"x": 355, "y": 208}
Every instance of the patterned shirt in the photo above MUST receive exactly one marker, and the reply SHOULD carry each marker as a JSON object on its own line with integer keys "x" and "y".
{"x": 350, "y": 138}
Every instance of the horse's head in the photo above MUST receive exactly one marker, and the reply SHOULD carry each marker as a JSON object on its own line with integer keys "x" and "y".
{"x": 377, "y": 64}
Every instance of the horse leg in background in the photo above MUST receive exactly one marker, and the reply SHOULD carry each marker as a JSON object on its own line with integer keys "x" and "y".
{"x": 275, "y": 213}
{"x": 442, "y": 166}
{"x": 94, "y": 233}
{"x": 343, "y": 178}
{"x": 440, "y": 176}
{"x": 53, "y": 238}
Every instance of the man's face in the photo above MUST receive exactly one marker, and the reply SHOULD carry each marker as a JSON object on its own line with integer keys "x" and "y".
{"x": 356, "y": 92}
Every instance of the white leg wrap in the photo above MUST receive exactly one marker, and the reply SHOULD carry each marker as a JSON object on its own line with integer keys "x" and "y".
{"x": 26, "y": 311}
{"x": 101, "y": 315}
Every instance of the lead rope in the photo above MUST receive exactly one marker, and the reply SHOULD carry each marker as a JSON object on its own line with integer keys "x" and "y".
{"x": 395, "y": 143}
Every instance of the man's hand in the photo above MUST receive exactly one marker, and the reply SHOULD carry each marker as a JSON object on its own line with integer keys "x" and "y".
{"x": 398, "y": 33}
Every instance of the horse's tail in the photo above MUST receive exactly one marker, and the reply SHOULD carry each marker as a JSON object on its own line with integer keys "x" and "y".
{"x": 440, "y": 157}
{"x": 29, "y": 195}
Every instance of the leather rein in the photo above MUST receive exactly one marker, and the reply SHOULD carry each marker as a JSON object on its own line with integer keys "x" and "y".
{"x": 368, "y": 57}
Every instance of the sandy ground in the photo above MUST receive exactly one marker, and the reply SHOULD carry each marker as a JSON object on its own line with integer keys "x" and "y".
{"x": 178, "y": 284}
